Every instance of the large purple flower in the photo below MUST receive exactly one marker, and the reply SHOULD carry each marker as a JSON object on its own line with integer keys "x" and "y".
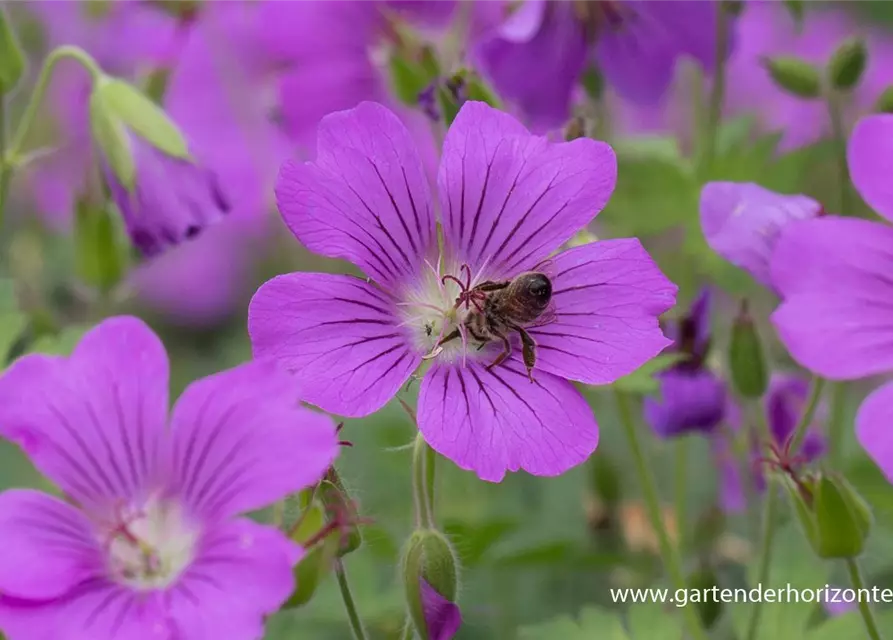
{"x": 535, "y": 58}
{"x": 742, "y": 221}
{"x": 508, "y": 199}
{"x": 834, "y": 276}
{"x": 693, "y": 398}
{"x": 148, "y": 540}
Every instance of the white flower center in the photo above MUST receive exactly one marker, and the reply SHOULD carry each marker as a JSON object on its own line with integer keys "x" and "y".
{"x": 438, "y": 307}
{"x": 149, "y": 546}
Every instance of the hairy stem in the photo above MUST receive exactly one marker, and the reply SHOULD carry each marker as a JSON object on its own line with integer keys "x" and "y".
{"x": 770, "y": 507}
{"x": 717, "y": 91}
{"x": 423, "y": 461}
{"x": 669, "y": 553}
{"x": 806, "y": 418}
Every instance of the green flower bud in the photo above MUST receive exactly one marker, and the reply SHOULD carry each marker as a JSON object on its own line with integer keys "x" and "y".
{"x": 884, "y": 102}
{"x": 101, "y": 250}
{"x": 408, "y": 79}
{"x": 12, "y": 60}
{"x": 321, "y": 550}
{"x": 795, "y": 76}
{"x": 847, "y": 64}
{"x": 710, "y": 609}
{"x": 796, "y": 9}
{"x": 733, "y": 7}
{"x": 429, "y": 557}
{"x": 835, "y": 518}
{"x": 746, "y": 361}
{"x": 341, "y": 507}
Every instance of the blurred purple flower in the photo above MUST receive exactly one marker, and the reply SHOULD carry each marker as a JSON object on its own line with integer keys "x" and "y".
{"x": 693, "y": 398}
{"x": 149, "y": 539}
{"x": 537, "y": 55}
{"x": 768, "y": 29}
{"x": 742, "y": 221}
{"x": 732, "y": 494}
{"x": 784, "y": 404}
{"x": 508, "y": 199}
{"x": 442, "y": 617}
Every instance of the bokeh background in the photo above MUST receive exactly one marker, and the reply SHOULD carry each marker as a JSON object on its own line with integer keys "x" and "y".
{"x": 247, "y": 82}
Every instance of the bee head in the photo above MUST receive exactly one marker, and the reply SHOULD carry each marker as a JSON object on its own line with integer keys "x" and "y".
{"x": 537, "y": 289}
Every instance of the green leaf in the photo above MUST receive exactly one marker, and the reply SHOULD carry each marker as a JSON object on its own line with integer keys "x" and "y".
{"x": 60, "y": 344}
{"x": 650, "y": 621}
{"x": 12, "y": 325}
{"x": 643, "y": 380}
{"x": 593, "y": 623}
{"x": 12, "y": 59}
{"x": 128, "y": 105}
{"x": 100, "y": 253}
{"x": 407, "y": 79}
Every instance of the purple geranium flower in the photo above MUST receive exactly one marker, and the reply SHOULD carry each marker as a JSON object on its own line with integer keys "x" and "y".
{"x": 693, "y": 398}
{"x": 742, "y": 221}
{"x": 535, "y": 58}
{"x": 508, "y": 199}
{"x": 442, "y": 617}
{"x": 834, "y": 276}
{"x": 148, "y": 540}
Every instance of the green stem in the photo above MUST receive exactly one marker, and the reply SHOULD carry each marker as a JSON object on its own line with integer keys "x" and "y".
{"x": 838, "y": 132}
{"x": 408, "y": 630}
{"x": 812, "y": 403}
{"x": 717, "y": 91}
{"x": 681, "y": 487}
{"x": 669, "y": 553}
{"x": 770, "y": 506}
{"x": 864, "y": 608}
{"x": 836, "y": 424}
{"x": 10, "y": 159}
{"x": 5, "y": 172}
{"x": 423, "y": 483}
{"x": 356, "y": 625}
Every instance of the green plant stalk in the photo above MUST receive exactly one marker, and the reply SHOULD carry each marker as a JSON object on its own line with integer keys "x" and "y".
{"x": 669, "y": 553}
{"x": 408, "y": 632}
{"x": 836, "y": 424}
{"x": 423, "y": 482}
{"x": 864, "y": 608}
{"x": 838, "y": 132}
{"x": 356, "y": 625}
{"x": 9, "y": 159}
{"x": 770, "y": 507}
{"x": 717, "y": 92}
{"x": 806, "y": 418}
{"x": 680, "y": 487}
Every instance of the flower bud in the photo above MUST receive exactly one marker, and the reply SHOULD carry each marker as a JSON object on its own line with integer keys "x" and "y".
{"x": 795, "y": 76}
{"x": 431, "y": 583}
{"x": 795, "y": 9}
{"x": 746, "y": 361}
{"x": 847, "y": 64}
{"x": 321, "y": 546}
{"x": 342, "y": 508}
{"x": 101, "y": 255}
{"x": 12, "y": 60}
{"x": 834, "y": 517}
{"x": 884, "y": 102}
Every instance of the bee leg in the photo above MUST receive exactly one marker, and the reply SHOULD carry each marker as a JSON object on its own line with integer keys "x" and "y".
{"x": 490, "y": 285}
{"x": 528, "y": 351}
{"x": 452, "y": 336}
{"x": 506, "y": 352}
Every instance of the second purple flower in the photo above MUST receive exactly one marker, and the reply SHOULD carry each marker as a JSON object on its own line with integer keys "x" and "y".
{"x": 508, "y": 200}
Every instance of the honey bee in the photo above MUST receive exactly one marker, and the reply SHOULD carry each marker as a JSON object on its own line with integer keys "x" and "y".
{"x": 503, "y": 308}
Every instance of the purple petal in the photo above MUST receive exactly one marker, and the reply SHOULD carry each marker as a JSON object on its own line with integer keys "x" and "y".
{"x": 493, "y": 421}
{"x": 873, "y": 428}
{"x": 742, "y": 222}
{"x": 784, "y": 401}
{"x": 243, "y": 574}
{"x": 241, "y": 441}
{"x": 607, "y": 297}
{"x": 442, "y": 617}
{"x": 93, "y": 423}
{"x": 172, "y": 202}
{"x": 535, "y": 61}
{"x": 508, "y": 198}
{"x": 639, "y": 56}
{"x": 341, "y": 337}
{"x": 870, "y": 157}
{"x": 836, "y": 318}
{"x": 732, "y": 497}
{"x": 365, "y": 199}
{"x": 690, "y": 401}
{"x": 48, "y": 546}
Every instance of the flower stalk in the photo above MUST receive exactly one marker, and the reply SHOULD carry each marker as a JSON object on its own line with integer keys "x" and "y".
{"x": 669, "y": 553}
{"x": 423, "y": 471}
{"x": 865, "y": 611}
{"x": 717, "y": 89}
{"x": 356, "y": 625}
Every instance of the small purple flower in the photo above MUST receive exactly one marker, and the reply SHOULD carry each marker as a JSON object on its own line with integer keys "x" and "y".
{"x": 742, "y": 222}
{"x": 732, "y": 495}
{"x": 148, "y": 540}
{"x": 535, "y": 58}
{"x": 693, "y": 398}
{"x": 784, "y": 404}
{"x": 508, "y": 200}
{"x": 442, "y": 617}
